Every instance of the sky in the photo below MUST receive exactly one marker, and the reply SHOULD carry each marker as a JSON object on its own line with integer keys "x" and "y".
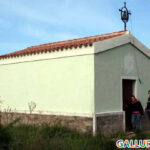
{"x": 25, "y": 23}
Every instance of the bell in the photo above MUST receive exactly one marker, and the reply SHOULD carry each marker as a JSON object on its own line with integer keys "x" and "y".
{"x": 125, "y": 16}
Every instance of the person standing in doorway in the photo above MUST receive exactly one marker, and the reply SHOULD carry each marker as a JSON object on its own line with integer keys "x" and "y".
{"x": 147, "y": 109}
{"x": 136, "y": 110}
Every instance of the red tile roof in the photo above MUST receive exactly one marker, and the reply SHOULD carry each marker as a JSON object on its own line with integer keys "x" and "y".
{"x": 86, "y": 41}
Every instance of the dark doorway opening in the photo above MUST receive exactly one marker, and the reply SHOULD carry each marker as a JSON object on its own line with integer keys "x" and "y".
{"x": 128, "y": 88}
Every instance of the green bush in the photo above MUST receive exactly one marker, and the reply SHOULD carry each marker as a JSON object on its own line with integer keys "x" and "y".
{"x": 5, "y": 138}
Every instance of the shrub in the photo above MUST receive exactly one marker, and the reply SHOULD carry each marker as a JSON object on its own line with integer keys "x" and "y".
{"x": 5, "y": 138}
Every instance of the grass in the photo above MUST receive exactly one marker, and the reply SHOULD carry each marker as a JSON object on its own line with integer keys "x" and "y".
{"x": 31, "y": 137}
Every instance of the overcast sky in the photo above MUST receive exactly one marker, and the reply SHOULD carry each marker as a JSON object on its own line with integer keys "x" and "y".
{"x": 26, "y": 23}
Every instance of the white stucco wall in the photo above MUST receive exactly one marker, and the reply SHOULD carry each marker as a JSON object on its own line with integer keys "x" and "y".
{"x": 110, "y": 67}
{"x": 62, "y": 85}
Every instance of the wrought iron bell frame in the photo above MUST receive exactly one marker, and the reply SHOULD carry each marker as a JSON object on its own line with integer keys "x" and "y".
{"x": 125, "y": 15}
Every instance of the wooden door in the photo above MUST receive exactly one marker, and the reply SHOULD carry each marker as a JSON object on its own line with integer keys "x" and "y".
{"x": 127, "y": 87}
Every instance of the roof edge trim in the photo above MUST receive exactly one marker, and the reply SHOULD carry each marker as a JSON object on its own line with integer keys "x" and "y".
{"x": 118, "y": 41}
